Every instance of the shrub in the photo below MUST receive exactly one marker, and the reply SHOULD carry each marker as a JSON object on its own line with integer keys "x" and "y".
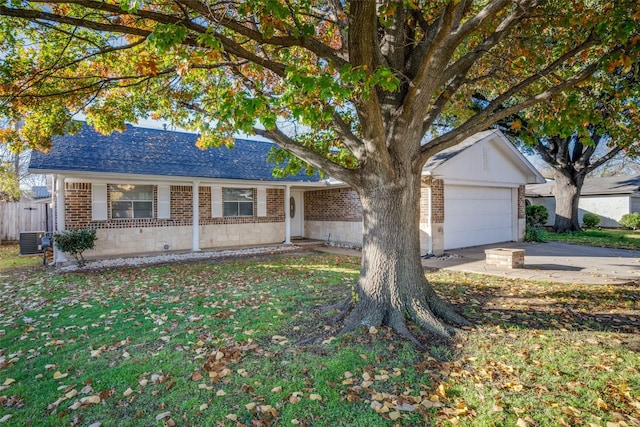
{"x": 534, "y": 234}
{"x": 590, "y": 219}
{"x": 630, "y": 220}
{"x": 75, "y": 241}
{"x": 537, "y": 215}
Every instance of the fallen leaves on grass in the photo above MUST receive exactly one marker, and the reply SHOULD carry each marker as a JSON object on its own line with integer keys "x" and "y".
{"x": 226, "y": 339}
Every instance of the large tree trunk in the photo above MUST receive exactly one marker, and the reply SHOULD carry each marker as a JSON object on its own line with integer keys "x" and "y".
{"x": 392, "y": 282}
{"x": 567, "y": 195}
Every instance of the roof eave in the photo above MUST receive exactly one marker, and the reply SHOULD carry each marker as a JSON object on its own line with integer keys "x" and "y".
{"x": 83, "y": 176}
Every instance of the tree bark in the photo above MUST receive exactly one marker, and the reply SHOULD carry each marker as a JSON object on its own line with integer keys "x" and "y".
{"x": 392, "y": 285}
{"x": 567, "y": 194}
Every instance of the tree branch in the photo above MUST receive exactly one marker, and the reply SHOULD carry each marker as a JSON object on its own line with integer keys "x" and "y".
{"x": 309, "y": 43}
{"x": 229, "y": 45}
{"x": 35, "y": 15}
{"x": 363, "y": 51}
{"x": 463, "y": 64}
{"x": 313, "y": 158}
{"x": 496, "y": 110}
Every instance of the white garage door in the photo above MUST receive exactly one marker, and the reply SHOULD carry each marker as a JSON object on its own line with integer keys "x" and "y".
{"x": 477, "y": 216}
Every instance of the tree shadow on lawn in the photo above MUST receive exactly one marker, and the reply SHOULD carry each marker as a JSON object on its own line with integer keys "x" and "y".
{"x": 510, "y": 304}
{"x": 517, "y": 304}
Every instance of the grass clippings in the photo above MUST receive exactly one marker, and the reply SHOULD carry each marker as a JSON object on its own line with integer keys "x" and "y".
{"x": 216, "y": 344}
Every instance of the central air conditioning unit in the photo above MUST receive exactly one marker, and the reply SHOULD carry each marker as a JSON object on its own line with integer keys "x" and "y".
{"x": 31, "y": 242}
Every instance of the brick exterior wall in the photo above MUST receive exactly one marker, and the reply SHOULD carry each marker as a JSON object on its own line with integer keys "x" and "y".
{"x": 275, "y": 204}
{"x": 181, "y": 204}
{"x": 437, "y": 199}
{"x": 78, "y": 205}
{"x": 336, "y": 204}
{"x": 204, "y": 197}
{"x": 521, "y": 202}
{"x": 424, "y": 203}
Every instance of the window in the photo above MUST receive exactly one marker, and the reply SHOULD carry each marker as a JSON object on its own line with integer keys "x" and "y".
{"x": 238, "y": 202}
{"x": 131, "y": 201}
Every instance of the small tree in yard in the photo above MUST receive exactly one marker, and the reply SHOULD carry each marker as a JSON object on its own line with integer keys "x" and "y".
{"x": 75, "y": 241}
{"x": 364, "y": 90}
{"x": 630, "y": 220}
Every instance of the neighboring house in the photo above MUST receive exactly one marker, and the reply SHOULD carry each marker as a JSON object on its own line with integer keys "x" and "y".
{"x": 609, "y": 197}
{"x": 144, "y": 189}
{"x": 40, "y": 193}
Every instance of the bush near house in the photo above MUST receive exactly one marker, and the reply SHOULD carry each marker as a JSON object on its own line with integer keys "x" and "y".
{"x": 536, "y": 215}
{"x": 75, "y": 241}
{"x": 630, "y": 220}
{"x": 534, "y": 234}
{"x": 590, "y": 220}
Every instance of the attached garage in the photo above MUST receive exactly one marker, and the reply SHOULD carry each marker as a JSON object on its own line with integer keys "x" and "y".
{"x": 478, "y": 215}
{"x": 473, "y": 194}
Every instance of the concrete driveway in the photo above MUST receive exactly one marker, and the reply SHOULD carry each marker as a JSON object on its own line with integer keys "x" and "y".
{"x": 552, "y": 262}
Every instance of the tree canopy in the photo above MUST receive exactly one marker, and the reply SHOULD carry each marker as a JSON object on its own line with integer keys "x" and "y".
{"x": 364, "y": 90}
{"x": 218, "y": 67}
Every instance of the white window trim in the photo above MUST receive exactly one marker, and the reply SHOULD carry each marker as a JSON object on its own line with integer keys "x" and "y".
{"x": 253, "y": 203}
{"x": 153, "y": 202}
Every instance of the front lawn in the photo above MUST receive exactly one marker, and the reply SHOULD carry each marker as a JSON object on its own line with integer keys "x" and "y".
{"x": 605, "y": 238}
{"x": 208, "y": 344}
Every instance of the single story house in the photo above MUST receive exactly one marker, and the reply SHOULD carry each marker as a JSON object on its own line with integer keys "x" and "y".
{"x": 609, "y": 197}
{"x": 150, "y": 190}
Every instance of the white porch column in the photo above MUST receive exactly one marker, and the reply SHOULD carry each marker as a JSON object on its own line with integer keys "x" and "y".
{"x": 430, "y": 219}
{"x": 59, "y": 256}
{"x": 196, "y": 217}
{"x": 287, "y": 216}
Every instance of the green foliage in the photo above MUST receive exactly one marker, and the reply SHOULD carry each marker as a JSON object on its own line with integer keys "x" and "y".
{"x": 590, "y": 219}
{"x": 75, "y": 241}
{"x": 534, "y": 234}
{"x": 165, "y": 36}
{"x": 9, "y": 185}
{"x": 630, "y": 220}
{"x": 536, "y": 215}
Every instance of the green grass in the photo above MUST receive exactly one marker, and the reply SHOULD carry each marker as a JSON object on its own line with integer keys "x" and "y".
{"x": 621, "y": 239}
{"x": 10, "y": 258}
{"x": 215, "y": 344}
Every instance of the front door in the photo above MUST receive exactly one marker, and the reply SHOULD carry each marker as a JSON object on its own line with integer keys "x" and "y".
{"x": 296, "y": 213}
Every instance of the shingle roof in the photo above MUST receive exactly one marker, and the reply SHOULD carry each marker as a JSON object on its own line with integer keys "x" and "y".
{"x": 592, "y": 186}
{"x": 143, "y": 151}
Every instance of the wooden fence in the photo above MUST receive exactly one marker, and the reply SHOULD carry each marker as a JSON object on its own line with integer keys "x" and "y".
{"x": 16, "y": 217}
